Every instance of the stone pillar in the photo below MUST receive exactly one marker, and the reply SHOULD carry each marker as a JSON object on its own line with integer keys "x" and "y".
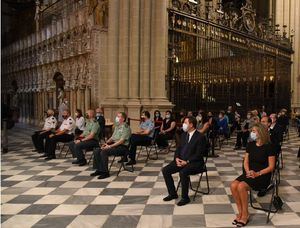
{"x": 145, "y": 51}
{"x": 295, "y": 73}
{"x": 87, "y": 98}
{"x": 134, "y": 105}
{"x": 78, "y": 100}
{"x": 113, "y": 63}
{"x": 124, "y": 51}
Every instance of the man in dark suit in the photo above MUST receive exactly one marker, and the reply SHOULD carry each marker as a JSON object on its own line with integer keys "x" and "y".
{"x": 188, "y": 160}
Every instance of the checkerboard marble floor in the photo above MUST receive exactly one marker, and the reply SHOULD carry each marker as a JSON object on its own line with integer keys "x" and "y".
{"x": 35, "y": 193}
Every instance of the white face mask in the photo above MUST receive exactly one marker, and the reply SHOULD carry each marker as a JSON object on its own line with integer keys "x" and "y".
{"x": 253, "y": 136}
{"x": 185, "y": 127}
{"x": 117, "y": 120}
{"x": 168, "y": 116}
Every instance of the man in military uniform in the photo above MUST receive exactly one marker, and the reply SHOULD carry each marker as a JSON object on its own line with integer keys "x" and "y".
{"x": 87, "y": 140}
{"x": 39, "y": 136}
{"x": 116, "y": 145}
{"x": 65, "y": 133}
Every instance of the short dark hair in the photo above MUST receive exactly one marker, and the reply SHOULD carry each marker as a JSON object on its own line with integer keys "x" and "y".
{"x": 169, "y": 111}
{"x": 146, "y": 113}
{"x": 123, "y": 114}
{"x": 79, "y": 112}
{"x": 192, "y": 120}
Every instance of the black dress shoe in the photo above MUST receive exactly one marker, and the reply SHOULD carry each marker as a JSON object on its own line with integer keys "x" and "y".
{"x": 82, "y": 163}
{"x": 96, "y": 173}
{"x": 103, "y": 176}
{"x": 75, "y": 162}
{"x": 183, "y": 202}
{"x": 131, "y": 162}
{"x": 49, "y": 158}
{"x": 170, "y": 197}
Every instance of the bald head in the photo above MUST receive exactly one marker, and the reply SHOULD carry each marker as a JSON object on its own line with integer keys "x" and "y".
{"x": 90, "y": 114}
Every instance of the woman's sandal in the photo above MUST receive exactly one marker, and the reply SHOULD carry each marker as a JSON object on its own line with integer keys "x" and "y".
{"x": 234, "y": 222}
{"x": 241, "y": 224}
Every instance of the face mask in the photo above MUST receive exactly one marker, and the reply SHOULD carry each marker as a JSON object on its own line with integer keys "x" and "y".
{"x": 248, "y": 117}
{"x": 185, "y": 127}
{"x": 253, "y": 136}
{"x": 117, "y": 120}
{"x": 66, "y": 102}
{"x": 168, "y": 116}
{"x": 157, "y": 115}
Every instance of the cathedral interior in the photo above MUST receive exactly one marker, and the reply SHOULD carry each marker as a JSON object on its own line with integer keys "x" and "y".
{"x": 119, "y": 58}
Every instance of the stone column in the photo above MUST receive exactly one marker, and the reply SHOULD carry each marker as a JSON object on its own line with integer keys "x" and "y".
{"x": 113, "y": 63}
{"x": 87, "y": 98}
{"x": 124, "y": 51}
{"x": 134, "y": 105}
{"x": 78, "y": 100}
{"x": 145, "y": 51}
{"x": 295, "y": 73}
{"x": 159, "y": 47}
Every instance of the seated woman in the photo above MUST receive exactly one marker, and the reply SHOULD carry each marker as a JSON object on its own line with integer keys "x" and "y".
{"x": 79, "y": 122}
{"x": 203, "y": 123}
{"x": 157, "y": 121}
{"x": 167, "y": 131}
{"x": 259, "y": 162}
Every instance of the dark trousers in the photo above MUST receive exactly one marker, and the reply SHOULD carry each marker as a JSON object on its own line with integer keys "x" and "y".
{"x": 184, "y": 173}
{"x": 38, "y": 140}
{"x": 77, "y": 149}
{"x": 100, "y": 162}
{"x": 242, "y": 138}
{"x": 162, "y": 139}
{"x": 50, "y": 145}
{"x": 137, "y": 140}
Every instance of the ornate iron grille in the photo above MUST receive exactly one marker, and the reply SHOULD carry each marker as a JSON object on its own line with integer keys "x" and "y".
{"x": 212, "y": 66}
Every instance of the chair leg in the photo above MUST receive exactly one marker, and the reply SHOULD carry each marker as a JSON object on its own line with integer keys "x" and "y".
{"x": 67, "y": 152}
{"x": 179, "y": 182}
{"x": 196, "y": 190}
{"x": 138, "y": 155}
{"x": 61, "y": 150}
{"x": 112, "y": 162}
{"x": 92, "y": 156}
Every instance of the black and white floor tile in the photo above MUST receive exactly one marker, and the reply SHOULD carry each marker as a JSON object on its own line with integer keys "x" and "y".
{"x": 36, "y": 193}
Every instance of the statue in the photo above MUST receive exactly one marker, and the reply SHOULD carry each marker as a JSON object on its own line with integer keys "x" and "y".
{"x": 61, "y": 95}
{"x": 99, "y": 9}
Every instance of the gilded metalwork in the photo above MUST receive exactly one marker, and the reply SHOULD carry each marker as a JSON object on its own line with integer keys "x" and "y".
{"x": 230, "y": 60}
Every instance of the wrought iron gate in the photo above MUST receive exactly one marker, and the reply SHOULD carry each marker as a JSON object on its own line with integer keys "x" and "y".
{"x": 212, "y": 65}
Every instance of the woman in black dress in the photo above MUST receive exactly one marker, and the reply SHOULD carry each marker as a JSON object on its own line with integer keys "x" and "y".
{"x": 167, "y": 131}
{"x": 259, "y": 162}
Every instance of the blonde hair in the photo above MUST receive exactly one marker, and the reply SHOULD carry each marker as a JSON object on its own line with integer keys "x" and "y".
{"x": 263, "y": 133}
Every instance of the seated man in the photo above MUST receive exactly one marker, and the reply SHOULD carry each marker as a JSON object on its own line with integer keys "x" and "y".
{"x": 116, "y": 145}
{"x": 188, "y": 160}
{"x": 39, "y": 136}
{"x": 65, "y": 133}
{"x": 101, "y": 121}
{"x": 142, "y": 137}
{"x": 87, "y": 140}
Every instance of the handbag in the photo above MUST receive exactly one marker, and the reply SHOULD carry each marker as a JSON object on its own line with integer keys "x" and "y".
{"x": 277, "y": 202}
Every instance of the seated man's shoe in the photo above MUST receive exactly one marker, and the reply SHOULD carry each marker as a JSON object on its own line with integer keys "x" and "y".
{"x": 131, "y": 162}
{"x": 183, "y": 202}
{"x": 170, "y": 197}
{"x": 103, "y": 176}
{"x": 82, "y": 163}
{"x": 96, "y": 173}
{"x": 49, "y": 158}
{"x": 123, "y": 159}
{"x": 76, "y": 162}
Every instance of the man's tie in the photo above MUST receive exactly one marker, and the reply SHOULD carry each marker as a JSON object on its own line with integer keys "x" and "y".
{"x": 185, "y": 147}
